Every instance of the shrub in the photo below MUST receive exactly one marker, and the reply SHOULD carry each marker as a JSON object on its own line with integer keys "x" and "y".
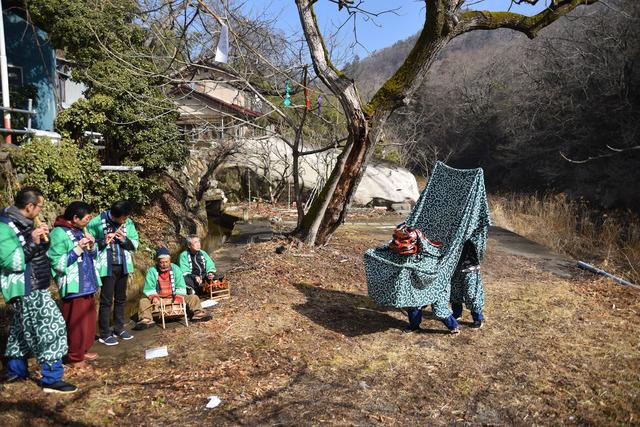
{"x": 69, "y": 171}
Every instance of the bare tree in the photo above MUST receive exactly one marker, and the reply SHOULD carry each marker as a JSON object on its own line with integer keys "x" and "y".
{"x": 445, "y": 20}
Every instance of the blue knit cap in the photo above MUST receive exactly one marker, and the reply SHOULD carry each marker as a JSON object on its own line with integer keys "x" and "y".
{"x": 162, "y": 252}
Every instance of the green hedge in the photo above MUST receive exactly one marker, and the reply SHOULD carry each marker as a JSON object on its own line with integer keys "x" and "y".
{"x": 67, "y": 171}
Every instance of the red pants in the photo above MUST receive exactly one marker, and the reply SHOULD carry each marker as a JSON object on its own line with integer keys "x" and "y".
{"x": 80, "y": 316}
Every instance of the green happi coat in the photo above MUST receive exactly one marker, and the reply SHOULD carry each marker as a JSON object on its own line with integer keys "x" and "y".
{"x": 103, "y": 263}
{"x": 178, "y": 285}
{"x": 67, "y": 277}
{"x": 12, "y": 264}
{"x": 184, "y": 261}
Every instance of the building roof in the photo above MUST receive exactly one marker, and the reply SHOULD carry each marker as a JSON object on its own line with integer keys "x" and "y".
{"x": 186, "y": 90}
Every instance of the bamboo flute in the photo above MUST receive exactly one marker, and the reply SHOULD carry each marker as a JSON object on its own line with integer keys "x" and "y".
{"x": 108, "y": 241}
{"x": 37, "y": 222}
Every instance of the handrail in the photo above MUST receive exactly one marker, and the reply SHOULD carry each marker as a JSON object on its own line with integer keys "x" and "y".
{"x": 18, "y": 131}
{"x": 17, "y": 110}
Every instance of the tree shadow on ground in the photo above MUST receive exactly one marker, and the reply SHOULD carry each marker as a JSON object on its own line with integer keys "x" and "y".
{"x": 348, "y": 314}
{"x": 36, "y": 413}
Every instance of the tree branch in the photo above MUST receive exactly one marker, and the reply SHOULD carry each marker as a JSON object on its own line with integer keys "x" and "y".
{"x": 528, "y": 25}
{"x": 337, "y": 82}
{"x": 614, "y": 152}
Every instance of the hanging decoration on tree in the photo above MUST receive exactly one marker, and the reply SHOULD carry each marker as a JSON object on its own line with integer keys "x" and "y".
{"x": 222, "y": 50}
{"x": 287, "y": 96}
{"x": 307, "y": 101}
{"x": 319, "y": 102}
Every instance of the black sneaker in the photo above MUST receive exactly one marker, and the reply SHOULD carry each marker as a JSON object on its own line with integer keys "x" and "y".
{"x": 108, "y": 340}
{"x": 60, "y": 387}
{"x": 477, "y": 324}
{"x": 123, "y": 335}
{"x": 141, "y": 326}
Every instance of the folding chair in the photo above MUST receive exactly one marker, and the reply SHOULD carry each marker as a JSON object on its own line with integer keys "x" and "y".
{"x": 169, "y": 309}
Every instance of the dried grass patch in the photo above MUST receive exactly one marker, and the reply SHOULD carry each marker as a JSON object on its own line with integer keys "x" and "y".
{"x": 610, "y": 240}
{"x": 301, "y": 344}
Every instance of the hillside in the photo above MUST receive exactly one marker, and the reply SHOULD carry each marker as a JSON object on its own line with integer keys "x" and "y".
{"x": 538, "y": 115}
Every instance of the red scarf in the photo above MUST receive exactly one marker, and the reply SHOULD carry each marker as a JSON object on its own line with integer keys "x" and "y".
{"x": 61, "y": 222}
{"x": 164, "y": 280}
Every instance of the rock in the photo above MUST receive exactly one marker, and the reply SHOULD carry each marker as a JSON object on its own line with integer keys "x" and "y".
{"x": 387, "y": 182}
{"x": 269, "y": 156}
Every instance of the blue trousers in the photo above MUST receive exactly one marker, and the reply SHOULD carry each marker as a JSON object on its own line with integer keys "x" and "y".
{"x": 456, "y": 307}
{"x": 51, "y": 372}
{"x": 415, "y": 318}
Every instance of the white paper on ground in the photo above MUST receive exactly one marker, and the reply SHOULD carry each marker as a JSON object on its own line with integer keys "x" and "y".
{"x": 208, "y": 303}
{"x": 152, "y": 353}
{"x": 213, "y": 402}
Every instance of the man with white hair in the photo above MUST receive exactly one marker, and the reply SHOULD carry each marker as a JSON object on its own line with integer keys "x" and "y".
{"x": 165, "y": 280}
{"x": 196, "y": 265}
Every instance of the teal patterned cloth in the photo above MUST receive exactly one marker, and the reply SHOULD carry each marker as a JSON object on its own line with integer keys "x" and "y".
{"x": 37, "y": 328}
{"x": 452, "y": 209}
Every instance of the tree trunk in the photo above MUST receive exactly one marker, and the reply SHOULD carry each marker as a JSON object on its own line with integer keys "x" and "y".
{"x": 329, "y": 209}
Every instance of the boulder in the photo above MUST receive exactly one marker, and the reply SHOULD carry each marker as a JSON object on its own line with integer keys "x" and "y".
{"x": 387, "y": 182}
{"x": 270, "y": 156}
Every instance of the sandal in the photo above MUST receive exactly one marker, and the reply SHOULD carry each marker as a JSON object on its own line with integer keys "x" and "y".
{"x": 200, "y": 316}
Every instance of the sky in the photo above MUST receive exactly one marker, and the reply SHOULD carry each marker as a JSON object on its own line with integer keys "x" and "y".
{"x": 373, "y": 34}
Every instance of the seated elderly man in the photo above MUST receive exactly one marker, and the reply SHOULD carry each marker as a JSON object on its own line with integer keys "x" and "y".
{"x": 165, "y": 280}
{"x": 196, "y": 265}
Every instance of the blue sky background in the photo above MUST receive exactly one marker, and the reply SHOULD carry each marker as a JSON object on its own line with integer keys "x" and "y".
{"x": 372, "y": 35}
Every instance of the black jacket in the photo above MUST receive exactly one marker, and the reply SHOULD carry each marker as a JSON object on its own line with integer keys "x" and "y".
{"x": 34, "y": 254}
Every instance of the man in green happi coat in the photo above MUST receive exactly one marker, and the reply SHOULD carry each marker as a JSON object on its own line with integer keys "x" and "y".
{"x": 37, "y": 327}
{"x": 165, "y": 280}
{"x": 117, "y": 238}
{"x": 196, "y": 265}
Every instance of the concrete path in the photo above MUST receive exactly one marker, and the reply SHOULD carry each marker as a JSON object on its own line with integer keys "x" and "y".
{"x": 501, "y": 240}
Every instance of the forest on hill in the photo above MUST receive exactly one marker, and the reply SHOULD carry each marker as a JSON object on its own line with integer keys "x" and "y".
{"x": 559, "y": 113}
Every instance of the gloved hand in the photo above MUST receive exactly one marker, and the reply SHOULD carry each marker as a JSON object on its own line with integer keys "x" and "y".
{"x": 179, "y": 299}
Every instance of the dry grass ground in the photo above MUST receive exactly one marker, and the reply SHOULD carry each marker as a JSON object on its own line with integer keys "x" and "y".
{"x": 610, "y": 240}
{"x": 300, "y": 344}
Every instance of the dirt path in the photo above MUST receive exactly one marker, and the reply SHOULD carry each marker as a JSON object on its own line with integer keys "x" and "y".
{"x": 301, "y": 344}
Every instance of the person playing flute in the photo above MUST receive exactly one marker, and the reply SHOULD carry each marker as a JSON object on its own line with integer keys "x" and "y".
{"x": 37, "y": 327}
{"x": 117, "y": 238}
{"x": 72, "y": 254}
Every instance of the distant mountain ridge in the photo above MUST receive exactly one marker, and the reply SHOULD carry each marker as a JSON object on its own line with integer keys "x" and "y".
{"x": 371, "y": 72}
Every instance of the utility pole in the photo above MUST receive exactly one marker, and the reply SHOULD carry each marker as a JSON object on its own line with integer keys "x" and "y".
{"x": 4, "y": 77}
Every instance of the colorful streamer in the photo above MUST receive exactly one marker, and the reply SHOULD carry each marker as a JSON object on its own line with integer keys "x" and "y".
{"x": 287, "y": 96}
